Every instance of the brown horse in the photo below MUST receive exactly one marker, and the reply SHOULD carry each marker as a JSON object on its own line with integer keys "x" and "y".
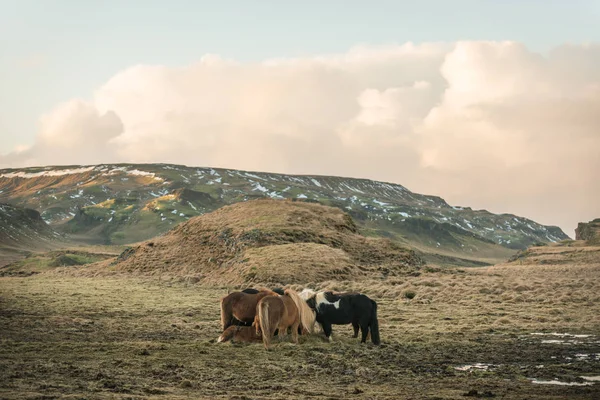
{"x": 280, "y": 313}
{"x": 246, "y": 334}
{"x": 241, "y": 306}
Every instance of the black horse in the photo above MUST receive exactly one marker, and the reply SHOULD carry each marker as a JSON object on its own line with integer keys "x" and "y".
{"x": 346, "y": 308}
{"x": 279, "y": 291}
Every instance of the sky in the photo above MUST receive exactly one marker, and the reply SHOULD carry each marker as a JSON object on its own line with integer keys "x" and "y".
{"x": 488, "y": 104}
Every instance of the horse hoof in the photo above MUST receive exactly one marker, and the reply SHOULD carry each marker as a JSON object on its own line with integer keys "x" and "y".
{"x": 330, "y": 339}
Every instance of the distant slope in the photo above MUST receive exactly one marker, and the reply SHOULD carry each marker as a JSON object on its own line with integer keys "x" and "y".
{"x": 589, "y": 231}
{"x": 22, "y": 231}
{"x": 127, "y": 203}
{"x": 268, "y": 241}
{"x": 567, "y": 253}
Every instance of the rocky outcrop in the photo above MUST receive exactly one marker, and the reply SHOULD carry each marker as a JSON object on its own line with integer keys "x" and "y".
{"x": 589, "y": 231}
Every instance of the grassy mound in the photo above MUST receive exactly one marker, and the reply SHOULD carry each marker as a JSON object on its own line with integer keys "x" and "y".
{"x": 567, "y": 252}
{"x": 293, "y": 262}
{"x": 275, "y": 241}
{"x": 41, "y": 262}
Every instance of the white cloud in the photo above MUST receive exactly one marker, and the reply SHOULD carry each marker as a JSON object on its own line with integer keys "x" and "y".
{"x": 485, "y": 124}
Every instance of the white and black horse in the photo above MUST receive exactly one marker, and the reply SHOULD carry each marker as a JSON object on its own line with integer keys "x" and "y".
{"x": 345, "y": 308}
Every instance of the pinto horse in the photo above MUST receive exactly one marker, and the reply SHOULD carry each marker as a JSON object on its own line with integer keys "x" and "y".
{"x": 345, "y": 308}
{"x": 240, "y": 306}
{"x": 246, "y": 334}
{"x": 280, "y": 313}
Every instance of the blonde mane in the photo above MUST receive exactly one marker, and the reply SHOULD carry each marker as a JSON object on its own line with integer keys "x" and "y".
{"x": 307, "y": 315}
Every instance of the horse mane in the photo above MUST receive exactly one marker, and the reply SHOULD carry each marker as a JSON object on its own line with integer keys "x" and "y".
{"x": 307, "y": 293}
{"x": 307, "y": 315}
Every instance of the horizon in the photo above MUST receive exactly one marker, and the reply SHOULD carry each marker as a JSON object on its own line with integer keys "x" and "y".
{"x": 278, "y": 173}
{"x": 489, "y": 105}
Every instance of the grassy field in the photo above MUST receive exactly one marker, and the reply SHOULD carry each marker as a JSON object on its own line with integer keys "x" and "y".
{"x": 64, "y": 336}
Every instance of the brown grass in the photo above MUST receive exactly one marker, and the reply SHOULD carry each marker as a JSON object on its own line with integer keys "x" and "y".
{"x": 265, "y": 240}
{"x": 127, "y": 337}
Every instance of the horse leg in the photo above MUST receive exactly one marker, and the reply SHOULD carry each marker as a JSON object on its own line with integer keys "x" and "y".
{"x": 327, "y": 330}
{"x": 364, "y": 330}
{"x": 283, "y": 331}
{"x": 295, "y": 331}
{"x": 355, "y": 326}
{"x": 226, "y": 313}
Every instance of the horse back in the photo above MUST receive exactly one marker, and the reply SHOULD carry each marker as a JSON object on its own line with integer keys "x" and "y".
{"x": 344, "y": 308}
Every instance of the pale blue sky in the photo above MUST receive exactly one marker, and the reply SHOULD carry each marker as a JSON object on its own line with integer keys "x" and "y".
{"x": 52, "y": 51}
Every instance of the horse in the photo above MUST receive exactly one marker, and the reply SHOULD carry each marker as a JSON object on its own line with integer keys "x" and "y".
{"x": 280, "y": 313}
{"x": 240, "y": 306}
{"x": 246, "y": 334}
{"x": 301, "y": 330}
{"x": 255, "y": 291}
{"x": 345, "y": 308}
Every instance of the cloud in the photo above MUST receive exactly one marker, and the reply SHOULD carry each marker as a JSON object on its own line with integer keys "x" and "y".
{"x": 75, "y": 132}
{"x": 486, "y": 124}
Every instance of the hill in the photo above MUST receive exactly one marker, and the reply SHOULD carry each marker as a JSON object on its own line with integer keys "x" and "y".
{"x": 589, "y": 231}
{"x": 267, "y": 241}
{"x": 127, "y": 203}
{"x": 585, "y": 250}
{"x": 22, "y": 230}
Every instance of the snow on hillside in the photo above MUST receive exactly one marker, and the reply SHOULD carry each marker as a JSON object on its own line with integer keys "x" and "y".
{"x": 388, "y": 205}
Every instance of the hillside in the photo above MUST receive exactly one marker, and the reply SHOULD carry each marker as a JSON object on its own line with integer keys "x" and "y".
{"x": 271, "y": 241}
{"x": 589, "y": 231}
{"x": 127, "y": 203}
{"x": 585, "y": 250}
{"x": 22, "y": 230}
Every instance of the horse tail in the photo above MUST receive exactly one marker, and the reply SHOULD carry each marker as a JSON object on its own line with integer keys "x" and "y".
{"x": 226, "y": 312}
{"x": 265, "y": 325}
{"x": 307, "y": 315}
{"x": 374, "y": 325}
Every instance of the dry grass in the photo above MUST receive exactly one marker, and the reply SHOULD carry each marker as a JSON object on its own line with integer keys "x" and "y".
{"x": 125, "y": 337}
{"x": 294, "y": 262}
{"x": 264, "y": 240}
{"x": 149, "y": 329}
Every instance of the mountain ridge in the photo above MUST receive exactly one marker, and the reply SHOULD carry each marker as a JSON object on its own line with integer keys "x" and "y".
{"x": 22, "y": 230}
{"x": 125, "y": 203}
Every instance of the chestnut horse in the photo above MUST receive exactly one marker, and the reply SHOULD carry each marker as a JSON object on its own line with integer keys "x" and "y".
{"x": 246, "y": 334}
{"x": 280, "y": 313}
{"x": 241, "y": 306}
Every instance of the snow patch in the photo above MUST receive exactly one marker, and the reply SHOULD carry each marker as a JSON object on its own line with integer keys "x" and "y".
{"x": 258, "y": 186}
{"x": 60, "y": 172}
{"x": 474, "y": 367}
{"x": 560, "y": 383}
{"x": 254, "y": 176}
{"x": 316, "y": 182}
{"x": 144, "y": 173}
